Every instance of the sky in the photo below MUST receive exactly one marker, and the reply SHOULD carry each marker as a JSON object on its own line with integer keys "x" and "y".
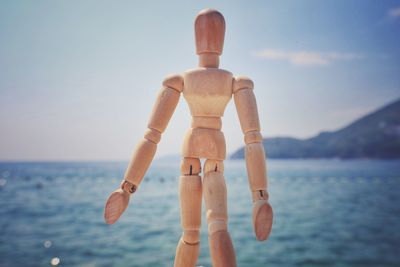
{"x": 78, "y": 79}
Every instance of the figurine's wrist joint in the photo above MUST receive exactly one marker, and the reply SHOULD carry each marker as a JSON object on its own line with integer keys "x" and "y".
{"x": 128, "y": 187}
{"x": 260, "y": 195}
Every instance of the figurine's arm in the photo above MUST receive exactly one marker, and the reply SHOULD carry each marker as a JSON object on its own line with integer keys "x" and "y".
{"x": 246, "y": 106}
{"x": 144, "y": 153}
{"x": 162, "y": 112}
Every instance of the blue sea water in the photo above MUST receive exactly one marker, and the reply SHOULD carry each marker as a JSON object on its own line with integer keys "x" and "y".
{"x": 327, "y": 213}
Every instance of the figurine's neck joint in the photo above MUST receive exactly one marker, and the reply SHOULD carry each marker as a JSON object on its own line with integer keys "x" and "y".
{"x": 209, "y": 60}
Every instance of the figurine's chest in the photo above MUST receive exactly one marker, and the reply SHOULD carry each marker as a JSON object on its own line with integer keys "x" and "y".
{"x": 207, "y": 91}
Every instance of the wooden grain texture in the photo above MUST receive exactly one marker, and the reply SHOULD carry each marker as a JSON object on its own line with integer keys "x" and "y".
{"x": 116, "y": 204}
{"x": 262, "y": 219}
{"x": 207, "y": 91}
{"x": 209, "y": 31}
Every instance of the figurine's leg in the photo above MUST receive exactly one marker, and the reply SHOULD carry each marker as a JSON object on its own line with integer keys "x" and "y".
{"x": 221, "y": 247}
{"x": 190, "y": 194}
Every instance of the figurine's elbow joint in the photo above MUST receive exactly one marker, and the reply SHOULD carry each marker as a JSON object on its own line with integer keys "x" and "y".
{"x": 174, "y": 81}
{"x": 251, "y": 137}
{"x": 242, "y": 82}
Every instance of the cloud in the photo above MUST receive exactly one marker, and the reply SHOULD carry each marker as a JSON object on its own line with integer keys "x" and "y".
{"x": 394, "y": 12}
{"x": 305, "y": 58}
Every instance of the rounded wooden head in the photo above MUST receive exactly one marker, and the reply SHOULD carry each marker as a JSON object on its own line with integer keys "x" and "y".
{"x": 209, "y": 29}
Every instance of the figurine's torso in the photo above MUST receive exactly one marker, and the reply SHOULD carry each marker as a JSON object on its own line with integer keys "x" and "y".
{"x": 207, "y": 92}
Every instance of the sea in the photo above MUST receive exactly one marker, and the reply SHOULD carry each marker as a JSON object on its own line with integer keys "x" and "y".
{"x": 326, "y": 213}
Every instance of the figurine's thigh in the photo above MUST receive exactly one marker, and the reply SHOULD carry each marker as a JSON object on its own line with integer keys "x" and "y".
{"x": 190, "y": 194}
{"x": 215, "y": 196}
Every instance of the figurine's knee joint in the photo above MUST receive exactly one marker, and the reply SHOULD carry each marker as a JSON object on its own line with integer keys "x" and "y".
{"x": 212, "y": 165}
{"x": 216, "y": 226}
{"x": 214, "y": 215}
{"x": 153, "y": 135}
{"x": 216, "y": 220}
{"x": 190, "y": 166}
{"x": 191, "y": 237}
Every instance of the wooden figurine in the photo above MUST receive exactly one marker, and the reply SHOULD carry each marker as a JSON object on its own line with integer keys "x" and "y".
{"x": 207, "y": 89}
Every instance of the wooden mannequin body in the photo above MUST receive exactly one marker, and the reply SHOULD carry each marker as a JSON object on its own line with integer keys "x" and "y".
{"x": 207, "y": 90}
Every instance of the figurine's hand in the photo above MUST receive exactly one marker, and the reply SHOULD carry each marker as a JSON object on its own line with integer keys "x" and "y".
{"x": 117, "y": 203}
{"x": 262, "y": 219}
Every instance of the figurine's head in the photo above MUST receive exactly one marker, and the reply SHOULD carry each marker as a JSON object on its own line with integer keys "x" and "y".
{"x": 209, "y": 29}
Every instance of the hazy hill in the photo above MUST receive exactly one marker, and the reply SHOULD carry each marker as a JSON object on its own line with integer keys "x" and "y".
{"x": 376, "y": 135}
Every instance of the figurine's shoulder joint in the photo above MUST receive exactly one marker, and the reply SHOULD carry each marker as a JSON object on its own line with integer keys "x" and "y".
{"x": 242, "y": 82}
{"x": 174, "y": 81}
